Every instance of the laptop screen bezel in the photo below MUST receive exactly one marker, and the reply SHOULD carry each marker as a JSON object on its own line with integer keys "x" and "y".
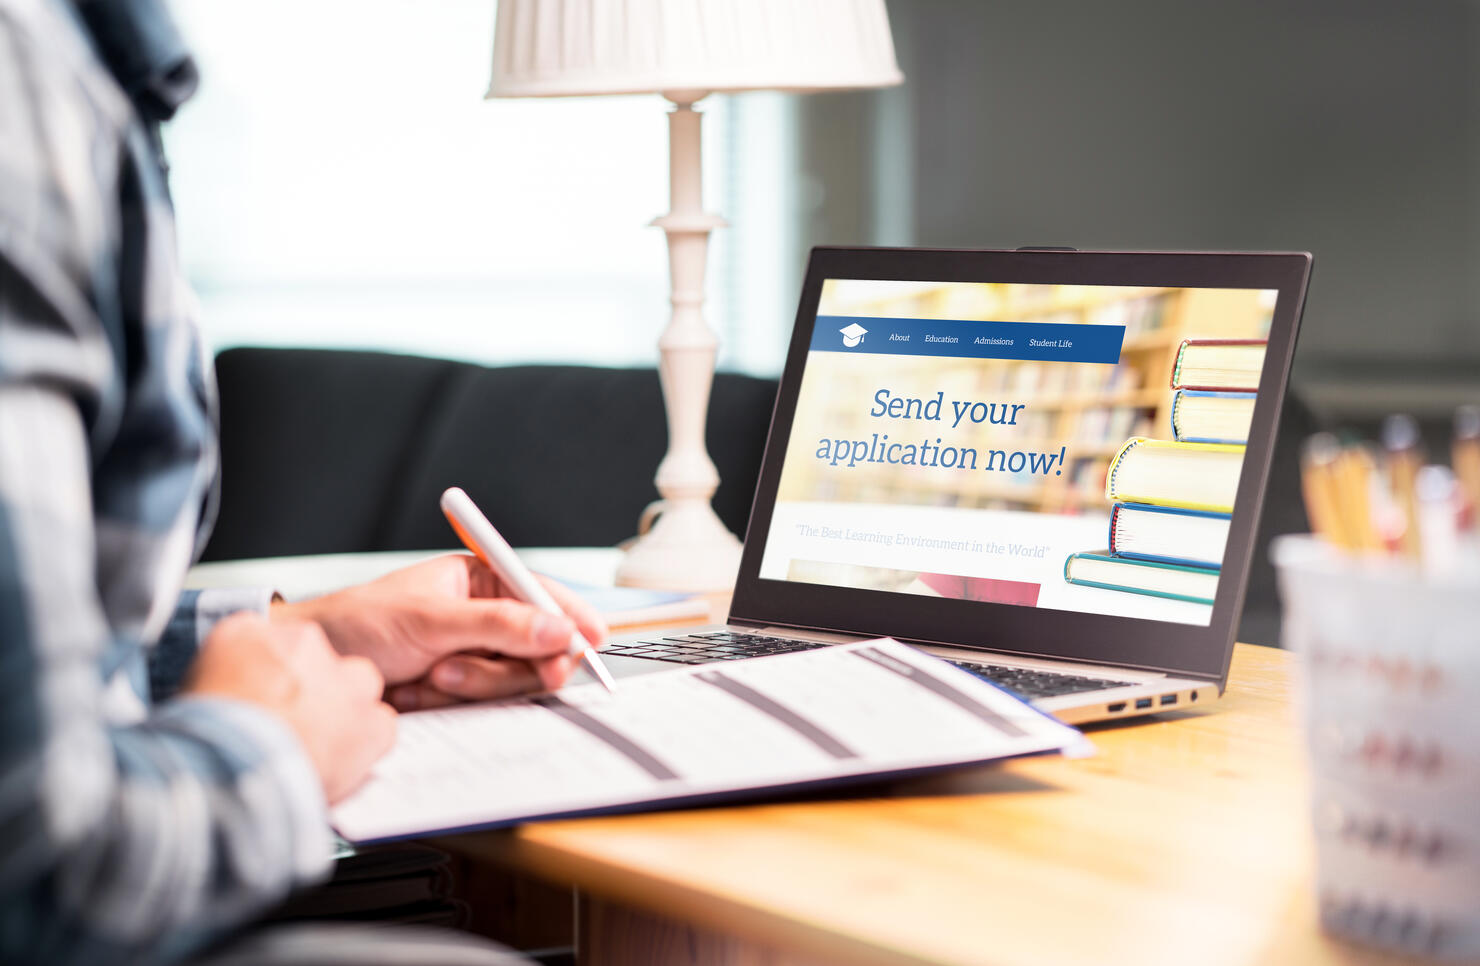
{"x": 1185, "y": 649}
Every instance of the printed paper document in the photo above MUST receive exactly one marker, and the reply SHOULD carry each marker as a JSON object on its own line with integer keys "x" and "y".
{"x": 851, "y": 710}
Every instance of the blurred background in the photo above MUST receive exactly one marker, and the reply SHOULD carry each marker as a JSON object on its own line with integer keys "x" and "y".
{"x": 342, "y": 183}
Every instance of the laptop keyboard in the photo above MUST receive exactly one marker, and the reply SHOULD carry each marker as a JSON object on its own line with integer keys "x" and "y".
{"x": 712, "y": 646}
{"x": 1035, "y": 683}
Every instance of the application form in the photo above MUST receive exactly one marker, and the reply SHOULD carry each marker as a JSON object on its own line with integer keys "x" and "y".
{"x": 847, "y": 711}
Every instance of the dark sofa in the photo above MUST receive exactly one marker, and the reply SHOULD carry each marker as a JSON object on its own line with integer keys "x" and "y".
{"x": 327, "y": 451}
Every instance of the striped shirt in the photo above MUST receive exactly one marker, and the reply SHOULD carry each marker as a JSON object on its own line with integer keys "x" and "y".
{"x": 134, "y": 827}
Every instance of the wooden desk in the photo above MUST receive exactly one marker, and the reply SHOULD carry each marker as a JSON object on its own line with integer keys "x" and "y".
{"x": 1183, "y": 841}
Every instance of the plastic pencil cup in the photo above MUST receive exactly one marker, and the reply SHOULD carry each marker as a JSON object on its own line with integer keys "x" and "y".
{"x": 1390, "y": 698}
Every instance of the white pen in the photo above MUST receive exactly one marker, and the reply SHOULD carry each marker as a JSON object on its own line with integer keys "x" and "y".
{"x": 489, "y": 546}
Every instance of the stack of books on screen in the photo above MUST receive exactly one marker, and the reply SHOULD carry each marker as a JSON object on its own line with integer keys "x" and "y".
{"x": 1215, "y": 382}
{"x": 1172, "y": 499}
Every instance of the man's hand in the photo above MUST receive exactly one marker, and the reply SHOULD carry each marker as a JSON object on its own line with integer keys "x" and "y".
{"x": 331, "y": 702}
{"x": 446, "y": 630}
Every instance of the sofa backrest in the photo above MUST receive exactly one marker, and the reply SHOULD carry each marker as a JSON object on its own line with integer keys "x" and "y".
{"x": 328, "y": 451}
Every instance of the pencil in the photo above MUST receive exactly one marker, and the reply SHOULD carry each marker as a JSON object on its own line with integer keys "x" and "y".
{"x": 1354, "y": 473}
{"x": 1400, "y": 441}
{"x": 1318, "y": 484}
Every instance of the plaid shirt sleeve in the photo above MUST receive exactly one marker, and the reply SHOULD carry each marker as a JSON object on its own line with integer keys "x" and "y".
{"x": 195, "y": 614}
{"x": 127, "y": 833}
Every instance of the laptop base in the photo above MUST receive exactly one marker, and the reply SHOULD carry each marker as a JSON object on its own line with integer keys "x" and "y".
{"x": 1073, "y": 693}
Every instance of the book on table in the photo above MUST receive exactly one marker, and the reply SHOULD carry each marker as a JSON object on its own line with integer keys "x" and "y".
{"x": 1192, "y": 476}
{"x": 1174, "y": 535}
{"x": 1212, "y": 417}
{"x": 835, "y": 714}
{"x": 629, "y": 606}
{"x": 1219, "y": 365}
{"x": 1150, "y": 577}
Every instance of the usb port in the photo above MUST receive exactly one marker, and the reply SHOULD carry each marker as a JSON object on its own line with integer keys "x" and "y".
{"x": 1143, "y": 702}
{"x": 1168, "y": 699}
{"x": 1117, "y": 706}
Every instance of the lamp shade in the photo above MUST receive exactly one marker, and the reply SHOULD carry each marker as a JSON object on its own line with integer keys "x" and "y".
{"x": 552, "y": 48}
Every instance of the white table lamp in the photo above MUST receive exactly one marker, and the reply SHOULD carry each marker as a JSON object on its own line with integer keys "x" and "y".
{"x": 684, "y": 50}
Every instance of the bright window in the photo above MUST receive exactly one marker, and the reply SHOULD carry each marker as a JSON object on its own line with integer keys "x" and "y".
{"x": 339, "y": 181}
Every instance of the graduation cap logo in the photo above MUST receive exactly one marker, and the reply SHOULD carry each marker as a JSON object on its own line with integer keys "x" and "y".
{"x": 853, "y": 334}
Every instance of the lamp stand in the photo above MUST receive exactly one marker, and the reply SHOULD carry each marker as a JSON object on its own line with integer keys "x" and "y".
{"x": 688, "y": 548}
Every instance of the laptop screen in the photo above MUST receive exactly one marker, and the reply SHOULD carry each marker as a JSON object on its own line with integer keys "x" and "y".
{"x": 1074, "y": 447}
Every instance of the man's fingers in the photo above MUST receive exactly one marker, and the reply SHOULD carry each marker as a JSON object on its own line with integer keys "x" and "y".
{"x": 501, "y": 625}
{"x": 591, "y": 626}
{"x": 420, "y": 696}
{"x": 553, "y": 672}
{"x": 482, "y": 582}
{"x": 468, "y": 677}
{"x": 376, "y": 732}
{"x": 361, "y": 677}
{"x": 382, "y": 726}
{"x": 481, "y": 678}
{"x": 300, "y": 642}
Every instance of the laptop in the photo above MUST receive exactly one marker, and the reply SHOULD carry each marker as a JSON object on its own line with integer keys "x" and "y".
{"x": 1044, "y": 466}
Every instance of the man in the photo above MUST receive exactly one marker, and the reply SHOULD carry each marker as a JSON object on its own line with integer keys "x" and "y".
{"x": 166, "y": 759}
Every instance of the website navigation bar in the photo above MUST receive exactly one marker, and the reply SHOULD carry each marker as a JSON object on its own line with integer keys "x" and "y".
{"x": 1043, "y": 341}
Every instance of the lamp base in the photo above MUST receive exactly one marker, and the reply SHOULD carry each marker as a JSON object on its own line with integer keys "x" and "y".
{"x": 687, "y": 549}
